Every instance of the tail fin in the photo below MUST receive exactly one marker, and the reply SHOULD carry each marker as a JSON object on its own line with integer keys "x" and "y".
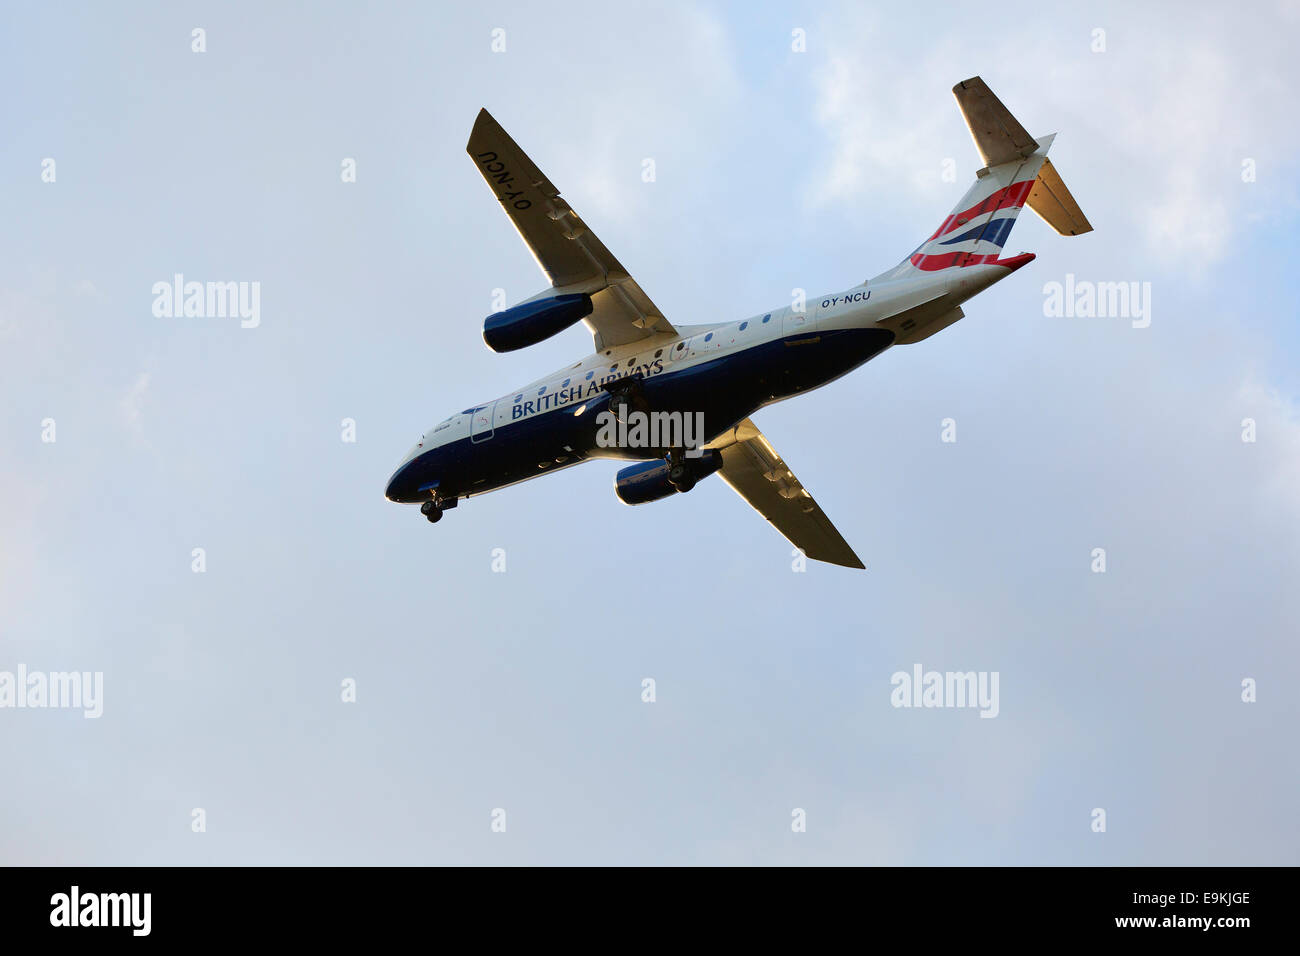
{"x": 1016, "y": 173}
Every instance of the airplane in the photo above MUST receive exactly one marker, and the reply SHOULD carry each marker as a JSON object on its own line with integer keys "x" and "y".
{"x": 714, "y": 376}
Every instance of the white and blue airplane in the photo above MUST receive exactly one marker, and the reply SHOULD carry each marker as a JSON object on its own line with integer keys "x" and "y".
{"x": 712, "y": 376}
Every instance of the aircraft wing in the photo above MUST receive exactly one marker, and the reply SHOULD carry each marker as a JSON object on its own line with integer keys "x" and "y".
{"x": 758, "y": 474}
{"x": 569, "y": 253}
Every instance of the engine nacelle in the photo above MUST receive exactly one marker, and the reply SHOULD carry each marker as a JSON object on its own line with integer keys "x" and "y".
{"x": 647, "y": 481}
{"x": 530, "y": 322}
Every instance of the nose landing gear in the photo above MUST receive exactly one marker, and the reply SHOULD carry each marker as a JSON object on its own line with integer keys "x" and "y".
{"x": 435, "y": 506}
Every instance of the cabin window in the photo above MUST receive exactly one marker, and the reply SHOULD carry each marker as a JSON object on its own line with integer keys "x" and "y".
{"x": 542, "y": 390}
{"x": 743, "y": 326}
{"x": 589, "y": 375}
{"x": 564, "y": 384}
{"x": 631, "y": 362}
{"x": 709, "y": 337}
{"x": 659, "y": 353}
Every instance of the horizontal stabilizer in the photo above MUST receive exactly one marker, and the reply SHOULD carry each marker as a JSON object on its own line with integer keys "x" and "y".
{"x": 1051, "y": 200}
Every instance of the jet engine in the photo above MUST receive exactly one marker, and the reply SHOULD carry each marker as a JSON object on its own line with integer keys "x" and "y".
{"x": 651, "y": 480}
{"x": 530, "y": 322}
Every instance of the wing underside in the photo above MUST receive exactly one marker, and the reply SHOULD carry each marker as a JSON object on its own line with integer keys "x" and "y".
{"x": 757, "y": 472}
{"x": 570, "y": 255}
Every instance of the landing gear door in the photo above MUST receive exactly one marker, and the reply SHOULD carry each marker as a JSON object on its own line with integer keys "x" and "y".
{"x": 482, "y": 424}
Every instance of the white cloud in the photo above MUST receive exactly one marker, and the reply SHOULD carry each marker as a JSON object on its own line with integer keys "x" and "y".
{"x": 1179, "y": 114}
{"x": 1277, "y": 438}
{"x": 892, "y": 133}
{"x": 132, "y": 403}
{"x": 640, "y": 116}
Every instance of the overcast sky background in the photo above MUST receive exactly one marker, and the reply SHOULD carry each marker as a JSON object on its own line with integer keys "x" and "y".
{"x": 478, "y": 690}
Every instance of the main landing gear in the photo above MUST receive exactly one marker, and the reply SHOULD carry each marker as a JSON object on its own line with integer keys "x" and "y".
{"x": 625, "y": 397}
{"x": 680, "y": 475}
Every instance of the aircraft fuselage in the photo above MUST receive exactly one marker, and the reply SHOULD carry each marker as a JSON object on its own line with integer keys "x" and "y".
{"x": 722, "y": 373}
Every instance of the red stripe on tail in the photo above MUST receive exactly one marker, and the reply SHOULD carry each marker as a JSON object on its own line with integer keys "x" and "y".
{"x": 1009, "y": 197}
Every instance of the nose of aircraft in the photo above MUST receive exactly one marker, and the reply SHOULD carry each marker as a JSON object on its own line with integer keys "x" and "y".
{"x": 400, "y": 487}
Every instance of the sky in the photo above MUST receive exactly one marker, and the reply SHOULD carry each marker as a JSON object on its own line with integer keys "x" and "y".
{"x": 343, "y": 683}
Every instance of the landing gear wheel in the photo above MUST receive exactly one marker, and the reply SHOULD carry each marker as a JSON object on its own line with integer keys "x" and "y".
{"x": 680, "y": 476}
{"x": 431, "y": 511}
{"x": 623, "y": 408}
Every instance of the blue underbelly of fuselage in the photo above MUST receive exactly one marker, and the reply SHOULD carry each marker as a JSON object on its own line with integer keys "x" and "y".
{"x": 724, "y": 391}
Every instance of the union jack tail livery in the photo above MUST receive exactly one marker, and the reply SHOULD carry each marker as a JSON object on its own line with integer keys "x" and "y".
{"x": 1016, "y": 173}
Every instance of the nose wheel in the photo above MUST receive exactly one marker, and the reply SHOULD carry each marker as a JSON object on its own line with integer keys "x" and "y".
{"x": 431, "y": 510}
